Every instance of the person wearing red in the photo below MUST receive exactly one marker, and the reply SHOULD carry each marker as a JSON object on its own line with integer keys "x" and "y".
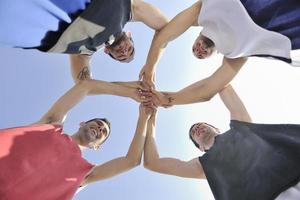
{"x": 40, "y": 161}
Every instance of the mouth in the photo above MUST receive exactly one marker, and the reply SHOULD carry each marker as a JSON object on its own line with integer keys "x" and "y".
{"x": 92, "y": 133}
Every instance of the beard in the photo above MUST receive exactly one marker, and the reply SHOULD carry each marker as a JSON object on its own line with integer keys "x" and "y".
{"x": 85, "y": 135}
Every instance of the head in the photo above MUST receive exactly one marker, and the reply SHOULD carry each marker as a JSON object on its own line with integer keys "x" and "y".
{"x": 93, "y": 133}
{"x": 203, "y": 47}
{"x": 122, "y": 49}
{"x": 203, "y": 135}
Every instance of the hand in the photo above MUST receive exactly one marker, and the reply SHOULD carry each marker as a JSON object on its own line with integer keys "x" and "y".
{"x": 147, "y": 77}
{"x": 155, "y": 99}
{"x": 135, "y": 88}
{"x": 146, "y": 111}
{"x": 134, "y": 84}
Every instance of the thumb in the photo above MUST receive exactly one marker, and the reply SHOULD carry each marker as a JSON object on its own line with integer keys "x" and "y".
{"x": 142, "y": 73}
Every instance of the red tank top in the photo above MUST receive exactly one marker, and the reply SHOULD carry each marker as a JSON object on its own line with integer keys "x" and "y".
{"x": 38, "y": 162}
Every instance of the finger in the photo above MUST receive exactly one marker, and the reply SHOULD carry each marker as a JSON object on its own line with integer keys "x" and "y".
{"x": 145, "y": 99}
{"x": 146, "y": 93}
{"x": 147, "y": 104}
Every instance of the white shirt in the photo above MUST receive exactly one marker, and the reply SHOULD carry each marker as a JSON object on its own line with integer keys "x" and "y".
{"x": 228, "y": 25}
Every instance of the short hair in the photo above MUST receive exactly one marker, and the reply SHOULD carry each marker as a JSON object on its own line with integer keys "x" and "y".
{"x": 102, "y": 119}
{"x": 191, "y": 137}
{"x": 105, "y": 121}
{"x": 131, "y": 57}
{"x": 190, "y": 133}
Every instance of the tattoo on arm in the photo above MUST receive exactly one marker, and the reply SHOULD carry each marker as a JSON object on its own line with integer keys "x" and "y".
{"x": 170, "y": 99}
{"x": 84, "y": 74}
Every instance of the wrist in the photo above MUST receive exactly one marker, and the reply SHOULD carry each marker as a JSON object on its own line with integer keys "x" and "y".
{"x": 169, "y": 99}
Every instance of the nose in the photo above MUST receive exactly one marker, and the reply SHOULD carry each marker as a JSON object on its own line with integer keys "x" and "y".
{"x": 197, "y": 52}
{"x": 124, "y": 51}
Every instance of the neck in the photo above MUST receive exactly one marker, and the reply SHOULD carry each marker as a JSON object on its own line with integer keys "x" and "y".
{"x": 78, "y": 140}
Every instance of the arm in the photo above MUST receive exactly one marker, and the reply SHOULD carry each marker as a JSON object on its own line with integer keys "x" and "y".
{"x": 125, "y": 163}
{"x": 234, "y": 104}
{"x": 171, "y": 166}
{"x": 80, "y": 67}
{"x": 172, "y": 30}
{"x": 149, "y": 15}
{"x": 205, "y": 89}
{"x": 58, "y": 111}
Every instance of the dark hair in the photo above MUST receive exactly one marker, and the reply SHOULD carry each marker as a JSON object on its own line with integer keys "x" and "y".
{"x": 209, "y": 43}
{"x": 105, "y": 121}
{"x": 102, "y": 119}
{"x": 190, "y": 135}
{"x": 117, "y": 42}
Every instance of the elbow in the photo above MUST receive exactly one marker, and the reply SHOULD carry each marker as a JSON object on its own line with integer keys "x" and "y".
{"x": 84, "y": 84}
{"x": 149, "y": 165}
{"x": 208, "y": 92}
{"x": 134, "y": 162}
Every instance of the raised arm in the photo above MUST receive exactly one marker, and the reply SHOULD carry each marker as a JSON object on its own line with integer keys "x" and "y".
{"x": 171, "y": 166}
{"x": 172, "y": 30}
{"x": 202, "y": 90}
{"x": 58, "y": 111}
{"x": 234, "y": 104}
{"x": 149, "y": 15}
{"x": 125, "y": 163}
{"x": 80, "y": 67}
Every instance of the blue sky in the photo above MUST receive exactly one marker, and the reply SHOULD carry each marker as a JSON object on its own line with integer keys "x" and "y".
{"x": 32, "y": 81}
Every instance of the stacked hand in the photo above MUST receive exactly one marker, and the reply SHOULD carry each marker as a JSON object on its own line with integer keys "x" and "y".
{"x": 153, "y": 99}
{"x": 147, "y": 77}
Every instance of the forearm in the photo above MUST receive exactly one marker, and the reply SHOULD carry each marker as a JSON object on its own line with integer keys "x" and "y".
{"x": 234, "y": 104}
{"x": 136, "y": 147}
{"x": 150, "y": 150}
{"x": 197, "y": 92}
{"x": 58, "y": 111}
{"x": 80, "y": 67}
{"x": 96, "y": 87}
{"x": 205, "y": 89}
{"x": 156, "y": 50}
{"x": 178, "y": 25}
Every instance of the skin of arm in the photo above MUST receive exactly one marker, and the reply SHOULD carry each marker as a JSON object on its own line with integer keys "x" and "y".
{"x": 80, "y": 67}
{"x": 204, "y": 89}
{"x": 57, "y": 113}
{"x": 142, "y": 11}
{"x": 170, "y": 166}
{"x": 178, "y": 25}
{"x": 148, "y": 14}
{"x": 125, "y": 163}
{"x": 234, "y": 104}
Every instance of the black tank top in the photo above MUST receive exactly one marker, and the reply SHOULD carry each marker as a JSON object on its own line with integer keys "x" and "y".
{"x": 100, "y": 22}
{"x": 253, "y": 161}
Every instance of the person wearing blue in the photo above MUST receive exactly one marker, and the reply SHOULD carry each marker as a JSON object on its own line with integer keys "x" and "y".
{"x": 79, "y": 28}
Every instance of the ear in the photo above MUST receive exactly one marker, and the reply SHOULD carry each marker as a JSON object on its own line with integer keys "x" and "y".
{"x": 128, "y": 33}
{"x": 82, "y": 124}
{"x": 106, "y": 50}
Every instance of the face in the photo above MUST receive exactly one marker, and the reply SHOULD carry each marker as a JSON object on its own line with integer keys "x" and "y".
{"x": 123, "y": 48}
{"x": 93, "y": 133}
{"x": 203, "y": 47}
{"x": 204, "y": 134}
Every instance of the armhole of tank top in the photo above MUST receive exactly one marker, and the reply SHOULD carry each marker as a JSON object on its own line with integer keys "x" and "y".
{"x": 131, "y": 18}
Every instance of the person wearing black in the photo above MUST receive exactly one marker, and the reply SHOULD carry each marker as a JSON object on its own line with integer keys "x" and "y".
{"x": 249, "y": 161}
